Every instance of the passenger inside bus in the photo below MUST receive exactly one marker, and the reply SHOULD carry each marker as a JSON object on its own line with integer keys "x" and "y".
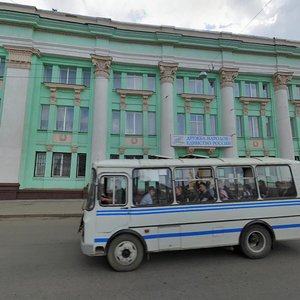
{"x": 180, "y": 194}
{"x": 148, "y": 198}
{"x": 204, "y": 194}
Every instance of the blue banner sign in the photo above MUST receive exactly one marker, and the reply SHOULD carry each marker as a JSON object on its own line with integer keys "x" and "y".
{"x": 213, "y": 141}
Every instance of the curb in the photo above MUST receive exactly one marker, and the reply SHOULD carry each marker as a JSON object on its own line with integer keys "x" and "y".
{"x": 71, "y": 215}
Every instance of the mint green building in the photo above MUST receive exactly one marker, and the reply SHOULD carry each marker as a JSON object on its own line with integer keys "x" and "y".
{"x": 75, "y": 89}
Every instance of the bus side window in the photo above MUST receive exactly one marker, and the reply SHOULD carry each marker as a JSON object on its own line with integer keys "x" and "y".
{"x": 236, "y": 183}
{"x": 152, "y": 186}
{"x": 275, "y": 182}
{"x": 112, "y": 190}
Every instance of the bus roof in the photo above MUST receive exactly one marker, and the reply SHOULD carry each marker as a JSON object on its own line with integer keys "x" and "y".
{"x": 156, "y": 163}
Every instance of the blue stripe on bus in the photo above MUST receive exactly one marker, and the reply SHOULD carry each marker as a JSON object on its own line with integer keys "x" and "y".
{"x": 191, "y": 205}
{"x": 286, "y": 226}
{"x": 198, "y": 233}
{"x": 172, "y": 210}
{"x": 187, "y": 234}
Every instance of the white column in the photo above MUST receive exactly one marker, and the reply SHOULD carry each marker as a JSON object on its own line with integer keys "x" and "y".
{"x": 228, "y": 113}
{"x": 167, "y": 73}
{"x": 100, "y": 119}
{"x": 285, "y": 138}
{"x": 13, "y": 113}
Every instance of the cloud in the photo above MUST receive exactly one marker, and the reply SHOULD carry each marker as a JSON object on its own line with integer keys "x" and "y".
{"x": 136, "y": 15}
{"x": 237, "y": 16}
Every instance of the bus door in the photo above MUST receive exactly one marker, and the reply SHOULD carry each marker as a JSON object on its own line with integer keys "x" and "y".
{"x": 112, "y": 211}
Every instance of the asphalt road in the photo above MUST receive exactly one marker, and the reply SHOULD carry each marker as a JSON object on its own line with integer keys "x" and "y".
{"x": 41, "y": 259}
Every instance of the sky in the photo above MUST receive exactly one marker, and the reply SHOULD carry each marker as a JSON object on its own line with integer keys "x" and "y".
{"x": 268, "y": 18}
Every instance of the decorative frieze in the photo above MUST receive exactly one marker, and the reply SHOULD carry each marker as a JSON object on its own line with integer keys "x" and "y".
{"x": 262, "y": 101}
{"x": 134, "y": 141}
{"x": 128, "y": 92}
{"x": 20, "y": 57}
{"x": 122, "y": 150}
{"x": 227, "y": 76}
{"x": 102, "y": 65}
{"x": 280, "y": 80}
{"x": 189, "y": 97}
{"x": 74, "y": 148}
{"x": 167, "y": 71}
{"x": 62, "y": 138}
{"x": 296, "y": 102}
{"x": 49, "y": 147}
{"x": 55, "y": 86}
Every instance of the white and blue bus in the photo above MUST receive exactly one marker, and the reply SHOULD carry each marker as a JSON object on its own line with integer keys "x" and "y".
{"x": 135, "y": 207}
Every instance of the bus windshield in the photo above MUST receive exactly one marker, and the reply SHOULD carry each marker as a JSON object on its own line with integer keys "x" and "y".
{"x": 90, "y": 201}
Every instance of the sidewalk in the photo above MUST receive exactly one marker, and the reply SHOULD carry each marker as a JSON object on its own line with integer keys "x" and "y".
{"x": 41, "y": 208}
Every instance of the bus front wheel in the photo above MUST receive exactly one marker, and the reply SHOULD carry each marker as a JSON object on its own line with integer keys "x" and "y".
{"x": 256, "y": 242}
{"x": 125, "y": 253}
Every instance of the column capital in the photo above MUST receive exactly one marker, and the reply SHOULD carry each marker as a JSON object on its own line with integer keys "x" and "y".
{"x": 167, "y": 71}
{"x": 20, "y": 57}
{"x": 280, "y": 80}
{"x": 102, "y": 65}
{"x": 227, "y": 76}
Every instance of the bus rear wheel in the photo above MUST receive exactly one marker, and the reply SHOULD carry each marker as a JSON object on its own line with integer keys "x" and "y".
{"x": 256, "y": 242}
{"x": 125, "y": 253}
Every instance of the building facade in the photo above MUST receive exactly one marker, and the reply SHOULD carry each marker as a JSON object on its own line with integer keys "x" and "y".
{"x": 75, "y": 89}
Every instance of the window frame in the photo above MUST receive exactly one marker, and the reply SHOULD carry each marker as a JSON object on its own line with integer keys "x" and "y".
{"x": 197, "y": 124}
{"x": 64, "y": 121}
{"x": 254, "y": 132}
{"x": 43, "y": 164}
{"x": 65, "y": 161}
{"x": 137, "y": 124}
{"x": 69, "y": 77}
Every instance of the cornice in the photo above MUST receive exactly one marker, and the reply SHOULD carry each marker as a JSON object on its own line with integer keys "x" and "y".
{"x": 131, "y": 32}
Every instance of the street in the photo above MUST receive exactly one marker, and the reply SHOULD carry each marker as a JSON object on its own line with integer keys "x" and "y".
{"x": 41, "y": 259}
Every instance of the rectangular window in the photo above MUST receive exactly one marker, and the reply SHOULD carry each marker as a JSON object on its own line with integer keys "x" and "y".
{"x": 197, "y": 124}
{"x": 134, "y": 82}
{"x": 179, "y": 85}
{"x": 117, "y": 80}
{"x": 134, "y": 123}
{"x": 236, "y": 183}
{"x": 81, "y": 164}
{"x": 188, "y": 182}
{"x": 254, "y": 130}
{"x": 237, "y": 91}
{"x": 293, "y": 127}
{"x": 84, "y": 119}
{"x": 289, "y": 91}
{"x": 151, "y": 123}
{"x": 44, "y": 117}
{"x": 152, "y": 187}
{"x": 269, "y": 131}
{"x": 250, "y": 89}
{"x": 181, "y": 124}
{"x": 297, "y": 92}
{"x": 40, "y": 164}
{"x": 275, "y": 182}
{"x": 47, "y": 73}
{"x": 239, "y": 126}
{"x": 115, "y": 122}
{"x": 86, "y": 77}
{"x": 67, "y": 75}
{"x": 196, "y": 86}
{"x": 113, "y": 190}
{"x": 265, "y": 87}
{"x": 61, "y": 164}
{"x": 64, "y": 118}
{"x": 2, "y": 66}
{"x": 213, "y": 124}
{"x": 211, "y": 87}
{"x": 151, "y": 83}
